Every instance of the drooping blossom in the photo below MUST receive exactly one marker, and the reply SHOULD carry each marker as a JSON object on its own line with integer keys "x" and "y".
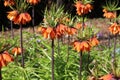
{"x": 12, "y": 15}
{"x": 22, "y": 18}
{"x": 60, "y": 30}
{"x": 48, "y": 32}
{"x": 94, "y": 41}
{"x": 81, "y": 46}
{"x": 33, "y": 2}
{"x": 9, "y": 2}
{"x": 109, "y": 14}
{"x": 5, "y": 58}
{"x": 83, "y": 8}
{"x": 71, "y": 30}
{"x": 16, "y": 51}
{"x": 114, "y": 29}
{"x": 19, "y": 18}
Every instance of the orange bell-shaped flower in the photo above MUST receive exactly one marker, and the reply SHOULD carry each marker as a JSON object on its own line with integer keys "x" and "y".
{"x": 9, "y": 2}
{"x": 82, "y": 46}
{"x": 76, "y": 46}
{"x": 60, "y": 30}
{"x": 5, "y": 58}
{"x": 12, "y": 15}
{"x": 71, "y": 30}
{"x": 33, "y": 2}
{"x": 85, "y": 46}
{"x": 22, "y": 18}
{"x": 82, "y": 8}
{"x": 48, "y": 32}
{"x": 94, "y": 41}
{"x": 109, "y": 15}
{"x": 16, "y": 51}
{"x": 114, "y": 28}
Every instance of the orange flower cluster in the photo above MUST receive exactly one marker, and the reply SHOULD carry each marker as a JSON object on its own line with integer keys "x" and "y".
{"x": 12, "y": 15}
{"x": 82, "y": 46}
{"x": 108, "y": 14}
{"x": 9, "y": 2}
{"x": 19, "y": 18}
{"x": 114, "y": 28}
{"x": 48, "y": 32}
{"x": 56, "y": 32}
{"x": 5, "y": 58}
{"x": 33, "y": 2}
{"x": 85, "y": 45}
{"x": 94, "y": 41}
{"x": 82, "y": 8}
{"x": 16, "y": 51}
{"x": 71, "y": 30}
{"x": 61, "y": 28}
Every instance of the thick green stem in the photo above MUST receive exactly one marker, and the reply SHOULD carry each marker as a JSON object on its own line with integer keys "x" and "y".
{"x": 52, "y": 46}
{"x": 80, "y": 66}
{"x": 21, "y": 46}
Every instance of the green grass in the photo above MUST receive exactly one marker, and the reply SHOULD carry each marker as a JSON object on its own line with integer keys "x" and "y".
{"x": 37, "y": 54}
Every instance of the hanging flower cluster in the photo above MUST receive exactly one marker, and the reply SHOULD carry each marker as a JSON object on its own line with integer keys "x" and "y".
{"x": 83, "y": 8}
{"x": 61, "y": 28}
{"x": 52, "y": 33}
{"x": 94, "y": 41}
{"x": 82, "y": 46}
{"x": 18, "y": 14}
{"x": 110, "y": 9}
{"x": 16, "y": 51}
{"x": 19, "y": 18}
{"x": 109, "y": 14}
{"x": 5, "y": 58}
{"x": 56, "y": 24}
{"x": 33, "y": 2}
{"x": 48, "y": 32}
{"x": 114, "y": 28}
{"x": 9, "y": 2}
{"x": 85, "y": 45}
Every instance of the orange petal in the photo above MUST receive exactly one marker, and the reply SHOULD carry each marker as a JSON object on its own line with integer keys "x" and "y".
{"x": 106, "y": 77}
{"x": 7, "y": 57}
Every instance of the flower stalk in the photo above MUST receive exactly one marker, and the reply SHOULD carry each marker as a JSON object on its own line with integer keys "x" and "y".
{"x": 114, "y": 53}
{"x": 52, "y": 62}
{"x": 0, "y": 74}
{"x": 12, "y": 33}
{"x": 33, "y": 20}
{"x": 109, "y": 38}
{"x": 80, "y": 66}
{"x": 21, "y": 46}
